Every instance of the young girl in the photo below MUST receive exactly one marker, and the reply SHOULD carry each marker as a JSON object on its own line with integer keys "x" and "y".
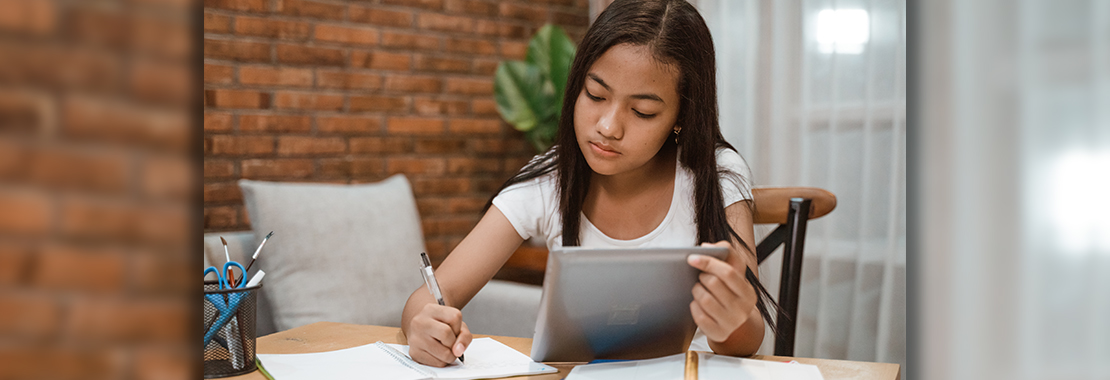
{"x": 639, "y": 161}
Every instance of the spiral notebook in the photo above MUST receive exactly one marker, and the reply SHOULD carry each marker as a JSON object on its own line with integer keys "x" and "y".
{"x": 485, "y": 358}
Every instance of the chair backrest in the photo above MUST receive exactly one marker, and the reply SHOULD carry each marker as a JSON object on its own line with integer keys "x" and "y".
{"x": 791, "y": 208}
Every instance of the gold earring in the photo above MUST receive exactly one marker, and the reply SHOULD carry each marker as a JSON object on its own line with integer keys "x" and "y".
{"x": 676, "y": 136}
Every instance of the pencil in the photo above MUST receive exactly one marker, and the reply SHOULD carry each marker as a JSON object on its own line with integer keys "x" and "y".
{"x": 691, "y": 365}
{"x": 227, "y": 256}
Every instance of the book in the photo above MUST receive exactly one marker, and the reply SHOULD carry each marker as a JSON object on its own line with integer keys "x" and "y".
{"x": 710, "y": 367}
{"x": 485, "y": 358}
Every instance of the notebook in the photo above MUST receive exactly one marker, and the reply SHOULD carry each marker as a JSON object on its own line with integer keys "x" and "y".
{"x": 485, "y": 358}
{"x": 710, "y": 367}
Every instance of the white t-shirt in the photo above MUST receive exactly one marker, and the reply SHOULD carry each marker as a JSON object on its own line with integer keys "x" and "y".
{"x": 532, "y": 208}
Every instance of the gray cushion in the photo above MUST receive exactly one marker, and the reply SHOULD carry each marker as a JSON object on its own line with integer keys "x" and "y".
{"x": 340, "y": 253}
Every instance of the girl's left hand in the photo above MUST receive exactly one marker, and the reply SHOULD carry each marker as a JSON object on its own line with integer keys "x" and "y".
{"x": 723, "y": 297}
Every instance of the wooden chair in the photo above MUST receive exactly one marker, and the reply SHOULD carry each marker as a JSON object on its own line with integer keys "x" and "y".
{"x": 787, "y": 207}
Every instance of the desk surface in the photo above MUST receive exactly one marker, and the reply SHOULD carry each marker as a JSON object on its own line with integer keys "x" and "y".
{"x": 330, "y": 336}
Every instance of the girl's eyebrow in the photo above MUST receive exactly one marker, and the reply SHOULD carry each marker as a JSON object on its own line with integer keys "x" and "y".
{"x": 648, "y": 96}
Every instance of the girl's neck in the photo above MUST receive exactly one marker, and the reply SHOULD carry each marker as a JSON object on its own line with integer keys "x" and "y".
{"x": 657, "y": 171}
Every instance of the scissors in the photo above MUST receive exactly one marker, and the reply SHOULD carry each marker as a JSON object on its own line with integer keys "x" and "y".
{"x": 227, "y": 308}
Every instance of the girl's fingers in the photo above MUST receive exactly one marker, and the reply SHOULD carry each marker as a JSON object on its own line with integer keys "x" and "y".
{"x": 463, "y": 341}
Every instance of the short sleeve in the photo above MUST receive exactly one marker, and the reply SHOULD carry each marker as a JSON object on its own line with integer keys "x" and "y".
{"x": 735, "y": 176}
{"x": 526, "y": 206}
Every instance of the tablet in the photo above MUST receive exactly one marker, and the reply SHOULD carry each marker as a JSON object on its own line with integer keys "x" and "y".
{"x": 616, "y": 303}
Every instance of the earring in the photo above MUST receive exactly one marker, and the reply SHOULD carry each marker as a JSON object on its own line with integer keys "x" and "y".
{"x": 676, "y": 136}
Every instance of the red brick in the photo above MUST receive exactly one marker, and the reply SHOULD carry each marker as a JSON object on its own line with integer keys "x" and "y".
{"x": 89, "y": 170}
{"x": 286, "y": 168}
{"x": 460, "y": 204}
{"x": 167, "y": 35}
{"x": 380, "y": 145}
{"x": 439, "y": 225}
{"x": 429, "y": 186}
{"x": 346, "y": 35}
{"x": 414, "y": 125}
{"x": 348, "y": 124}
{"x": 480, "y": 8}
{"x": 487, "y": 28}
{"x": 72, "y": 268}
{"x": 433, "y": 166}
{"x": 217, "y": 122}
{"x": 98, "y": 27}
{"x": 308, "y": 55}
{"x": 274, "y": 123}
{"x": 491, "y": 146}
{"x": 411, "y": 41}
{"x": 15, "y": 265}
{"x": 564, "y": 18}
{"x": 335, "y": 167}
{"x": 117, "y": 320}
{"x": 214, "y": 23}
{"x": 216, "y": 169}
{"x": 429, "y": 106}
{"x": 25, "y": 213}
{"x": 222, "y": 192}
{"x": 43, "y": 361}
{"x": 167, "y": 177}
{"x": 110, "y": 120}
{"x": 28, "y": 315}
{"x": 514, "y": 50}
{"x": 348, "y": 81}
{"x": 445, "y": 23}
{"x": 218, "y": 74}
{"x": 381, "y": 60}
{"x": 469, "y": 126}
{"x": 30, "y": 17}
{"x": 14, "y": 156}
{"x": 237, "y": 5}
{"x": 467, "y": 165}
{"x": 363, "y": 167}
{"x": 485, "y": 66}
{"x": 236, "y": 99}
{"x": 311, "y": 9}
{"x": 102, "y": 220}
{"x": 304, "y": 145}
{"x": 374, "y": 103}
{"x": 275, "y": 76}
{"x": 221, "y": 217}
{"x": 440, "y": 146}
{"x": 514, "y": 31}
{"x": 159, "y": 271}
{"x": 267, "y": 27}
{"x": 523, "y": 12}
{"x": 412, "y": 83}
{"x": 307, "y": 101}
{"x": 380, "y": 16}
{"x": 241, "y": 51}
{"x": 161, "y": 82}
{"x": 471, "y": 46}
{"x": 440, "y": 64}
{"x": 164, "y": 364}
{"x": 224, "y": 145}
{"x": 484, "y": 107}
{"x": 467, "y": 86}
{"x": 21, "y": 111}
{"x": 426, "y": 4}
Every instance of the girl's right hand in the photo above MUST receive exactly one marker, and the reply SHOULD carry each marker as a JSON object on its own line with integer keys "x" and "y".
{"x": 437, "y": 335}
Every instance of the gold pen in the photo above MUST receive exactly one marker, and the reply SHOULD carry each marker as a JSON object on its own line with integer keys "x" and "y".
{"x": 691, "y": 365}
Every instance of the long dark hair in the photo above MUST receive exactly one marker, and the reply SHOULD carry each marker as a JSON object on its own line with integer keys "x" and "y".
{"x": 675, "y": 34}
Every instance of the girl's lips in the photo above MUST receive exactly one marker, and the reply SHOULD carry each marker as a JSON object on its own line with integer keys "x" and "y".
{"x": 604, "y": 151}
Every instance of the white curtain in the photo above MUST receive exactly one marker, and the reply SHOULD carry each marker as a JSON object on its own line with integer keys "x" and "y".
{"x": 819, "y": 99}
{"x": 1016, "y": 236}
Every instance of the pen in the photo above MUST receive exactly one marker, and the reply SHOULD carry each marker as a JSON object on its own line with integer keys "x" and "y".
{"x": 691, "y": 365}
{"x": 433, "y": 285}
{"x": 227, "y": 257}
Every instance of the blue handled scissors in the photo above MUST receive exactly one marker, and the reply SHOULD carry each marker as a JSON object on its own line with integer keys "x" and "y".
{"x": 226, "y": 308}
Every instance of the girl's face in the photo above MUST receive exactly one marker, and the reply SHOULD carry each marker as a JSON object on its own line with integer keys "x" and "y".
{"x": 626, "y": 110}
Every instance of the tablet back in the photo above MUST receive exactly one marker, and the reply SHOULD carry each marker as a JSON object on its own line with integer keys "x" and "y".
{"x": 616, "y": 303}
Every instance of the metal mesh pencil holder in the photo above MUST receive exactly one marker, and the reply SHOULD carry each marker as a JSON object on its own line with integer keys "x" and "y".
{"x": 229, "y": 329}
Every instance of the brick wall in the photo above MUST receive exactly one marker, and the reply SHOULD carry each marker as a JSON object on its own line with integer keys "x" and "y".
{"x": 97, "y": 175}
{"x": 355, "y": 91}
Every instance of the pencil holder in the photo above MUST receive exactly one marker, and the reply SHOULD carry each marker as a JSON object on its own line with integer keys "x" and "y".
{"x": 229, "y": 319}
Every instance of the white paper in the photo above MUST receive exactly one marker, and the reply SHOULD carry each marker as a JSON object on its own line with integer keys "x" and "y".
{"x": 710, "y": 367}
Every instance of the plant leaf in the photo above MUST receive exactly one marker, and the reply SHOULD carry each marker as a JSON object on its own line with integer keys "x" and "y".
{"x": 517, "y": 92}
{"x": 552, "y": 51}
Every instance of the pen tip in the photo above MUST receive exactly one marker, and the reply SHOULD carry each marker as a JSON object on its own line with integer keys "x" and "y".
{"x": 270, "y": 234}
{"x": 223, "y": 240}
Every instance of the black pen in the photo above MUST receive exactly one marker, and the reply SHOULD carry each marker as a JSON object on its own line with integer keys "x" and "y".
{"x": 433, "y": 285}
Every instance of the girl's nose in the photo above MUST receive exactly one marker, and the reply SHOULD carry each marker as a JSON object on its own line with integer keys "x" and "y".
{"x": 609, "y": 125}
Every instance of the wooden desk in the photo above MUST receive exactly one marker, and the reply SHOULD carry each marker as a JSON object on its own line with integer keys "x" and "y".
{"x": 330, "y": 336}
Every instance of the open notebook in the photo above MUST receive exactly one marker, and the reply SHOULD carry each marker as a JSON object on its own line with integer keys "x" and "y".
{"x": 710, "y": 367}
{"x": 485, "y": 358}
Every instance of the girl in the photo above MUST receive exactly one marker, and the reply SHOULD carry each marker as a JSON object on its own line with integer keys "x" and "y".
{"x": 639, "y": 161}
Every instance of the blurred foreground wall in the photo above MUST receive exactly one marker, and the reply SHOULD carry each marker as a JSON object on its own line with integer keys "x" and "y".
{"x": 97, "y": 103}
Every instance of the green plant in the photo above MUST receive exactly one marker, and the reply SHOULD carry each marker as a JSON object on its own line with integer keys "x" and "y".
{"x": 529, "y": 93}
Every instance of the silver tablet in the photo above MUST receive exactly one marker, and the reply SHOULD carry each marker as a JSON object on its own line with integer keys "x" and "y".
{"x": 616, "y": 303}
